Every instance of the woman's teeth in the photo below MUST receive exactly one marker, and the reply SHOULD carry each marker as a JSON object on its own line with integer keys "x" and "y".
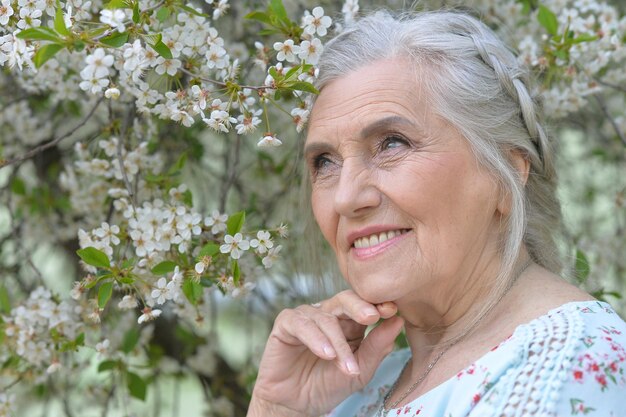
{"x": 377, "y": 238}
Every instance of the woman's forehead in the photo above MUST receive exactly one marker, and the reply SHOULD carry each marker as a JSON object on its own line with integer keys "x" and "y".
{"x": 371, "y": 97}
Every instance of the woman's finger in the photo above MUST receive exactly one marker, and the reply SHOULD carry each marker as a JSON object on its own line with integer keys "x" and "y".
{"x": 347, "y": 304}
{"x": 378, "y": 343}
{"x": 332, "y": 329}
{"x": 387, "y": 309}
{"x": 292, "y": 327}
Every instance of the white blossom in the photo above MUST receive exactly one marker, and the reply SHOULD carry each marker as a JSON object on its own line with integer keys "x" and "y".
{"x": 114, "y": 18}
{"x": 316, "y": 22}
{"x": 263, "y": 241}
{"x": 112, "y": 93}
{"x": 103, "y": 348}
{"x": 98, "y": 65}
{"x": 286, "y": 50}
{"x": 149, "y": 314}
{"x": 161, "y": 292}
{"x": 6, "y": 11}
{"x": 271, "y": 257}
{"x": 235, "y": 245}
{"x": 268, "y": 141}
{"x": 128, "y": 302}
{"x": 219, "y": 120}
{"x": 216, "y": 221}
{"x": 310, "y": 51}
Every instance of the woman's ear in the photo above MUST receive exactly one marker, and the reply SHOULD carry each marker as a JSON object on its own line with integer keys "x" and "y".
{"x": 520, "y": 162}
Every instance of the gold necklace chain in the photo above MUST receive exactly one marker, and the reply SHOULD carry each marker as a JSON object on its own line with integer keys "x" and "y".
{"x": 384, "y": 408}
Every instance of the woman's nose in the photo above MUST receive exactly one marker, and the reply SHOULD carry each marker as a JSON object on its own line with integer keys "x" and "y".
{"x": 356, "y": 192}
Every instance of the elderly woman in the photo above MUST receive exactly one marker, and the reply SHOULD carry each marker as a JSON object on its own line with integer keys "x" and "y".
{"x": 433, "y": 181}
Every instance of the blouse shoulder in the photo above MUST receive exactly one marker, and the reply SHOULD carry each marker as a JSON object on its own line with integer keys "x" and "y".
{"x": 574, "y": 363}
{"x": 595, "y": 383}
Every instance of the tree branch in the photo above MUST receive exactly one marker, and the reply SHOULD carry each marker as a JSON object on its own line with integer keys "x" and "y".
{"x": 605, "y": 110}
{"x": 53, "y": 142}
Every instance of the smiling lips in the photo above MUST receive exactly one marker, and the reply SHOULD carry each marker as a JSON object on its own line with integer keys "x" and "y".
{"x": 372, "y": 244}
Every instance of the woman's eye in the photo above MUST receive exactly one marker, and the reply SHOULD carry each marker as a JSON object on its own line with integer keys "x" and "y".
{"x": 392, "y": 142}
{"x": 320, "y": 162}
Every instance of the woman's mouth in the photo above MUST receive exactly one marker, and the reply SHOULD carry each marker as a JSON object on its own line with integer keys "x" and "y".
{"x": 377, "y": 238}
{"x": 371, "y": 245}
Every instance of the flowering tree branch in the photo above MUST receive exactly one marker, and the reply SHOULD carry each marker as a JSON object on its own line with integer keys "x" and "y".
{"x": 53, "y": 142}
{"x": 618, "y": 130}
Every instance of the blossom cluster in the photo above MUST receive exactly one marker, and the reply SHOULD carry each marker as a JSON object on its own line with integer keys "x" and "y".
{"x": 189, "y": 54}
{"x": 582, "y": 57}
{"x": 34, "y": 328}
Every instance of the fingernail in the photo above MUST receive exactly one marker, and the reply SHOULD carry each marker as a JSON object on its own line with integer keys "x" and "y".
{"x": 352, "y": 367}
{"x": 370, "y": 312}
{"x": 329, "y": 351}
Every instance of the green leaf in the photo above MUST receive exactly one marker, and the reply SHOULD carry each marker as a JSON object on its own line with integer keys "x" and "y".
{"x": 94, "y": 257}
{"x": 45, "y": 53}
{"x": 129, "y": 263}
{"x": 210, "y": 249}
{"x": 136, "y": 385}
{"x": 303, "y": 86}
{"x": 548, "y": 20}
{"x": 162, "y": 14}
{"x": 163, "y": 268}
{"x": 292, "y": 72}
{"x": 59, "y": 21}
{"x": 179, "y": 165}
{"x": 11, "y": 362}
{"x": 39, "y": 34}
{"x": 259, "y": 16}
{"x": 268, "y": 32}
{"x": 205, "y": 282}
{"x": 104, "y": 293}
{"x": 193, "y": 11}
{"x": 118, "y": 4}
{"x": 136, "y": 15}
{"x": 582, "y": 266}
{"x": 192, "y": 290}
{"x": 235, "y": 222}
{"x": 78, "y": 45}
{"x": 72, "y": 345}
{"x": 274, "y": 73}
{"x": 188, "y": 198}
{"x": 107, "y": 365}
{"x": 584, "y": 38}
{"x": 115, "y": 39}
{"x": 277, "y": 8}
{"x": 130, "y": 340}
{"x": 562, "y": 54}
{"x": 162, "y": 49}
{"x": 18, "y": 186}
{"x": 129, "y": 280}
{"x": 5, "y": 300}
{"x": 236, "y": 272}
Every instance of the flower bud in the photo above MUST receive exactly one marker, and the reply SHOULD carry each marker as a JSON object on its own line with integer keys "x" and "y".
{"x": 112, "y": 93}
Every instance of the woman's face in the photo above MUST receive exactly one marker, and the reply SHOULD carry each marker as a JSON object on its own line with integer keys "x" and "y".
{"x": 396, "y": 190}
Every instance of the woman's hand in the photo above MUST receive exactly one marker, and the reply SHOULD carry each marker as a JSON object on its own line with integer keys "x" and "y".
{"x": 316, "y": 355}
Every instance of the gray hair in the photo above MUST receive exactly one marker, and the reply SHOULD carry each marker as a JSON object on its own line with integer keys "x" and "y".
{"x": 473, "y": 81}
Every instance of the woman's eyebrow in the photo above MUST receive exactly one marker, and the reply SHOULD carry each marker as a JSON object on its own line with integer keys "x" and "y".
{"x": 317, "y": 148}
{"x": 386, "y": 123}
{"x": 371, "y": 129}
